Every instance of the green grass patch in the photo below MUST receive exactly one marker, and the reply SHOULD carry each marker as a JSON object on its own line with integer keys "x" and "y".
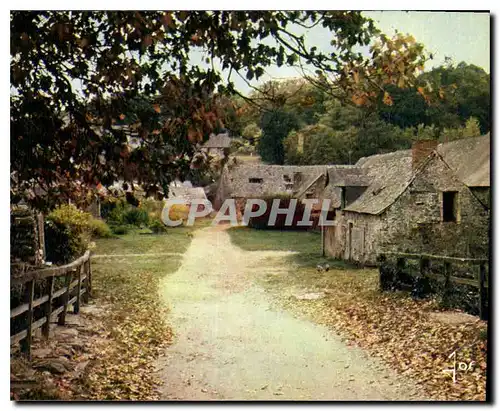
{"x": 274, "y": 240}
{"x": 307, "y": 245}
{"x": 144, "y": 241}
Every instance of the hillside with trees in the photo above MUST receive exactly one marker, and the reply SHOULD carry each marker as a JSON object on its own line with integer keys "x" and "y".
{"x": 445, "y": 103}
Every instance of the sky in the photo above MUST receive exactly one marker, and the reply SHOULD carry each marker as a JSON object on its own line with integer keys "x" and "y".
{"x": 461, "y": 36}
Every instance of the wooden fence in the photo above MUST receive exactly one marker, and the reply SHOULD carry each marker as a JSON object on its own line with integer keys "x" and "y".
{"x": 76, "y": 289}
{"x": 480, "y": 282}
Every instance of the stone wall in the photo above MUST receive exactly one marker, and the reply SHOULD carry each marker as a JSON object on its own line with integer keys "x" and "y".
{"x": 415, "y": 221}
{"x": 222, "y": 192}
{"x": 26, "y": 236}
{"x": 254, "y": 181}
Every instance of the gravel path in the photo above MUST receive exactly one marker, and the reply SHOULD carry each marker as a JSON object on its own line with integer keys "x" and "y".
{"x": 231, "y": 345}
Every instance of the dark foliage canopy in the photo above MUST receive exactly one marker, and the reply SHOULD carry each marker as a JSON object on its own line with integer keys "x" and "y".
{"x": 83, "y": 82}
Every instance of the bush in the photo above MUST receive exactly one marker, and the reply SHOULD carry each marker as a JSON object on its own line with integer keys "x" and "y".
{"x": 108, "y": 205}
{"x": 119, "y": 212}
{"x": 67, "y": 234}
{"x": 115, "y": 213}
{"x": 152, "y": 207}
{"x": 135, "y": 216}
{"x": 157, "y": 226}
{"x": 120, "y": 229}
{"x": 404, "y": 275}
{"x": 100, "y": 229}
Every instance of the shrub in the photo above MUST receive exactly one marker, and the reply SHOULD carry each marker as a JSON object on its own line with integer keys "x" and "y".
{"x": 115, "y": 213}
{"x": 120, "y": 229}
{"x": 67, "y": 234}
{"x": 152, "y": 207}
{"x": 100, "y": 229}
{"x": 119, "y": 212}
{"x": 135, "y": 216}
{"x": 108, "y": 205}
{"x": 404, "y": 275}
{"x": 157, "y": 226}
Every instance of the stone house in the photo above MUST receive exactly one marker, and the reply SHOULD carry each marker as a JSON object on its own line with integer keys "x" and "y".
{"x": 186, "y": 192}
{"x": 430, "y": 199}
{"x": 338, "y": 183}
{"x": 242, "y": 181}
{"x": 217, "y": 145}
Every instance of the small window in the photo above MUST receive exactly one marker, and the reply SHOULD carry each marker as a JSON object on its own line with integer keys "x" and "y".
{"x": 287, "y": 178}
{"x": 449, "y": 206}
{"x": 256, "y": 180}
{"x": 342, "y": 198}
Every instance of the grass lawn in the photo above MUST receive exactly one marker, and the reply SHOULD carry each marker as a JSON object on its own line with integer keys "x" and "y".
{"x": 307, "y": 244}
{"x": 254, "y": 240}
{"x": 390, "y": 325}
{"x": 175, "y": 240}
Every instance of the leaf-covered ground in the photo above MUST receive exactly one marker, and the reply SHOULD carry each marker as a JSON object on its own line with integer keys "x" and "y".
{"x": 393, "y": 326}
{"x": 136, "y": 329}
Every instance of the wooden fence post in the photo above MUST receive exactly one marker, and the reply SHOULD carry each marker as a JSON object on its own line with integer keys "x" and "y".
{"x": 89, "y": 278}
{"x": 446, "y": 273}
{"x": 76, "y": 308}
{"x": 41, "y": 235}
{"x": 86, "y": 266}
{"x": 483, "y": 313}
{"x": 29, "y": 292}
{"x": 48, "y": 308}
{"x": 424, "y": 266}
{"x": 62, "y": 317}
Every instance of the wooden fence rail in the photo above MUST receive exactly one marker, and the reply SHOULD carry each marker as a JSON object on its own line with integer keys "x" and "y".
{"x": 480, "y": 282}
{"x": 76, "y": 289}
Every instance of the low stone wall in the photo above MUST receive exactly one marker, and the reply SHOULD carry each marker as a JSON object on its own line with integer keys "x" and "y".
{"x": 26, "y": 236}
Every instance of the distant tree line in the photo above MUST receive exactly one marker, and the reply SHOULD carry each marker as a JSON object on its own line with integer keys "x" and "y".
{"x": 299, "y": 123}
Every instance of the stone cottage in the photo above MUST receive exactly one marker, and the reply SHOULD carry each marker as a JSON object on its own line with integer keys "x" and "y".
{"x": 338, "y": 183}
{"x": 430, "y": 199}
{"x": 217, "y": 145}
{"x": 243, "y": 180}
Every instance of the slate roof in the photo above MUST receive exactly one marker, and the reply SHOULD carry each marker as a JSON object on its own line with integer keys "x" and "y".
{"x": 342, "y": 176}
{"x": 301, "y": 191}
{"x": 470, "y": 159}
{"x": 218, "y": 141}
{"x": 391, "y": 173}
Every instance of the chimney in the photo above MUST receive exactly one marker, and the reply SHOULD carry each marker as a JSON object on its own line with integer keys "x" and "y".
{"x": 420, "y": 150}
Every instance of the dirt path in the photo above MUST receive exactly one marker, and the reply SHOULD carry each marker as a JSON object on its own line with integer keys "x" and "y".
{"x": 230, "y": 344}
